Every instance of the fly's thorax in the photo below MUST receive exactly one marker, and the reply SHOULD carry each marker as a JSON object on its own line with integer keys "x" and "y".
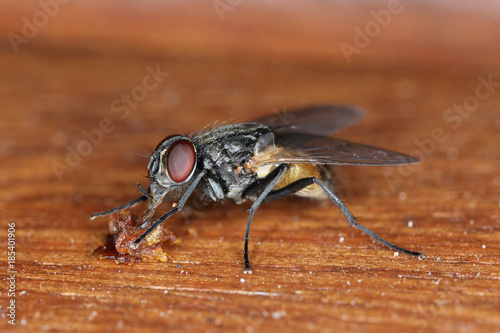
{"x": 224, "y": 152}
{"x": 229, "y": 143}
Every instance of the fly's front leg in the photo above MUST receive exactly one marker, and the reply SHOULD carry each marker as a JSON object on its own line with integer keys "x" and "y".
{"x": 145, "y": 195}
{"x": 277, "y": 174}
{"x": 127, "y": 205}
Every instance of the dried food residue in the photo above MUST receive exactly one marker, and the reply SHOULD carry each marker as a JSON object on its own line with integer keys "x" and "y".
{"x": 119, "y": 245}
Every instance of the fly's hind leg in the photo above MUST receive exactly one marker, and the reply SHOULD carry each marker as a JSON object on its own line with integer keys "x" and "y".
{"x": 301, "y": 183}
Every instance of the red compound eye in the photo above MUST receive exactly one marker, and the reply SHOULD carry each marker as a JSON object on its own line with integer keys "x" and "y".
{"x": 181, "y": 158}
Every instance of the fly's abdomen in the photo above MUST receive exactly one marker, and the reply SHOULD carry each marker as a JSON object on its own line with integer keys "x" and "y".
{"x": 261, "y": 167}
{"x": 300, "y": 171}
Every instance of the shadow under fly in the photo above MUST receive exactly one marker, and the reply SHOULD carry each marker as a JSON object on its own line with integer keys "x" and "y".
{"x": 261, "y": 160}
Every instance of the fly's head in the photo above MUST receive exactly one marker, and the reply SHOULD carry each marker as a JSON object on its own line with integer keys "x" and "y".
{"x": 172, "y": 165}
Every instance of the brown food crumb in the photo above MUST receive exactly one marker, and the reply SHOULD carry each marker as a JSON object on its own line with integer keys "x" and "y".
{"x": 119, "y": 245}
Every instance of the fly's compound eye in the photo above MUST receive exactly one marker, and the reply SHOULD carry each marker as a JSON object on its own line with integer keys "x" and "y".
{"x": 181, "y": 159}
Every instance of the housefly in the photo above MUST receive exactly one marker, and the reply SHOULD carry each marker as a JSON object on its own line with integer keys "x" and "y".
{"x": 261, "y": 160}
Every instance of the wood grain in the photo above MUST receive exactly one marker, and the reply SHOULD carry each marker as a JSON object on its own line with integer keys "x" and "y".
{"x": 311, "y": 271}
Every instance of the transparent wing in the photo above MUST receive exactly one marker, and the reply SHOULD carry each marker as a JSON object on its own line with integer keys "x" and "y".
{"x": 313, "y": 149}
{"x": 319, "y": 119}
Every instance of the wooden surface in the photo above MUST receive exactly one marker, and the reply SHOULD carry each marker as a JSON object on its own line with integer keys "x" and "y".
{"x": 311, "y": 271}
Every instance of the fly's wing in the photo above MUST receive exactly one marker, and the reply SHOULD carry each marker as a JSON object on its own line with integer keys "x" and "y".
{"x": 302, "y": 148}
{"x": 319, "y": 119}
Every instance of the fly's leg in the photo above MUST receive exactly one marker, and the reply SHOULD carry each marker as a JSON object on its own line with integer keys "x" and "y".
{"x": 145, "y": 196}
{"x": 127, "y": 205}
{"x": 301, "y": 183}
{"x": 277, "y": 173}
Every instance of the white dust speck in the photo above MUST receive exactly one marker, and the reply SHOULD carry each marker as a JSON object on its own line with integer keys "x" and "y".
{"x": 92, "y": 315}
{"x": 278, "y": 314}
